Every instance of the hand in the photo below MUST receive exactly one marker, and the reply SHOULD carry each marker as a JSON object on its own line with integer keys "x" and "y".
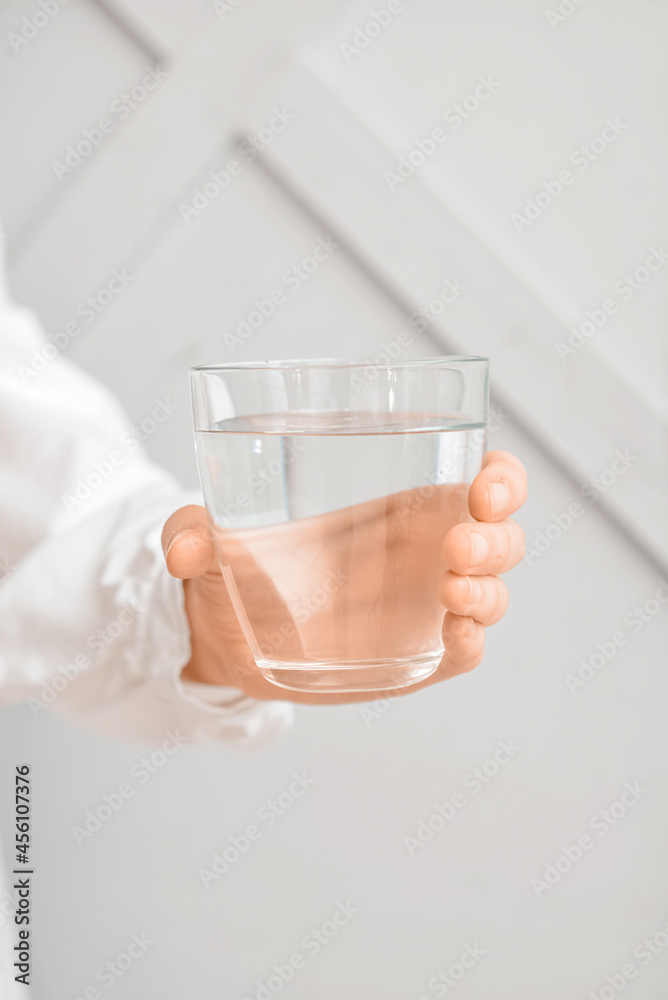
{"x": 470, "y": 589}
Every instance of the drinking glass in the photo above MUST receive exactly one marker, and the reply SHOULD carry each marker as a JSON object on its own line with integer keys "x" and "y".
{"x": 330, "y": 486}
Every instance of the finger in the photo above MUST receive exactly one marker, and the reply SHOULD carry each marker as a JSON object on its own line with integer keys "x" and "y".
{"x": 502, "y": 456}
{"x": 482, "y": 548}
{"x": 464, "y": 642}
{"x": 187, "y": 543}
{"x": 499, "y": 489}
{"x": 484, "y": 598}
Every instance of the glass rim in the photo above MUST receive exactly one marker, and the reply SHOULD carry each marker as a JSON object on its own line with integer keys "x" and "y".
{"x": 444, "y": 361}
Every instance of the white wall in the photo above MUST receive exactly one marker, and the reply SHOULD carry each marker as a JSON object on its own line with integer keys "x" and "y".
{"x": 375, "y": 779}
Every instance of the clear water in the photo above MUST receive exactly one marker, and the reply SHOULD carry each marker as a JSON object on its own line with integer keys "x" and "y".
{"x": 329, "y": 530}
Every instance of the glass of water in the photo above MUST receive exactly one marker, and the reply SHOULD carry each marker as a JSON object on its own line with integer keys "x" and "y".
{"x": 330, "y": 486}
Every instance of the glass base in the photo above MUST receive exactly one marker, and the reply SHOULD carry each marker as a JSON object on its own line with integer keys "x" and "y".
{"x": 328, "y": 677}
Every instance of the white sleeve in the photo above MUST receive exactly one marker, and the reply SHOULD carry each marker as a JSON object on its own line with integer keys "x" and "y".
{"x": 91, "y": 623}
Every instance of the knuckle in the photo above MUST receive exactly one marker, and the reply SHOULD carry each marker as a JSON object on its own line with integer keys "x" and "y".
{"x": 454, "y": 590}
{"x": 456, "y": 546}
{"x": 456, "y": 627}
{"x": 500, "y": 600}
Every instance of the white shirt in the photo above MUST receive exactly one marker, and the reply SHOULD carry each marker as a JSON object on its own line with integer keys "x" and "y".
{"x": 91, "y": 624}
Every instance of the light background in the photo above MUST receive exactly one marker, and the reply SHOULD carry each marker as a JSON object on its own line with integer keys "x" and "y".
{"x": 375, "y": 779}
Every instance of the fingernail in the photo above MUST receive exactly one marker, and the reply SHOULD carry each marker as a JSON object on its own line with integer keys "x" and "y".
{"x": 498, "y": 497}
{"x": 176, "y": 538}
{"x": 475, "y": 590}
{"x": 479, "y": 548}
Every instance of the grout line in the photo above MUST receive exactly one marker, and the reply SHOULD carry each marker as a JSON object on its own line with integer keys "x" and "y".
{"x": 128, "y": 26}
{"x": 407, "y": 307}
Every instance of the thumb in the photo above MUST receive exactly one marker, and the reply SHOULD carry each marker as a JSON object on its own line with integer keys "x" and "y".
{"x": 187, "y": 542}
